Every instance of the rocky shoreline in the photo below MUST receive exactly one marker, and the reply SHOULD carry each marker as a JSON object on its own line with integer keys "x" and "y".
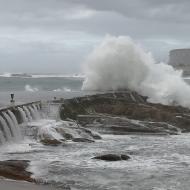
{"x": 120, "y": 113}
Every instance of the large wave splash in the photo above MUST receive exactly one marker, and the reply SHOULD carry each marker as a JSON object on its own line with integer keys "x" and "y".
{"x": 118, "y": 63}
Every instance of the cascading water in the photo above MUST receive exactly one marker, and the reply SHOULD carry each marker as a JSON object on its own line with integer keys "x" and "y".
{"x": 5, "y": 129}
{"x": 15, "y": 132}
{"x": 2, "y": 138}
{"x": 23, "y": 115}
{"x": 34, "y": 113}
{"x": 9, "y": 123}
{"x": 9, "y": 127}
{"x": 38, "y": 106}
{"x": 28, "y": 115}
{"x": 12, "y": 116}
{"x": 37, "y": 114}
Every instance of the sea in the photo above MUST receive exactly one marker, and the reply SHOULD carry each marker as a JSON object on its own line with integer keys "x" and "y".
{"x": 33, "y": 87}
{"x": 157, "y": 162}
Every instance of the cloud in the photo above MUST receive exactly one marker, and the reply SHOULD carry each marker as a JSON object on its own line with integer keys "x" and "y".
{"x": 70, "y": 29}
{"x": 163, "y": 10}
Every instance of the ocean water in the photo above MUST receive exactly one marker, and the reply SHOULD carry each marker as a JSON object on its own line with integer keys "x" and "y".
{"x": 157, "y": 162}
{"x": 40, "y": 84}
{"x": 39, "y": 87}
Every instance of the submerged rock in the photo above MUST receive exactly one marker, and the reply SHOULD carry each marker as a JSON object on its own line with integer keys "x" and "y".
{"x": 15, "y": 169}
{"x": 112, "y": 157}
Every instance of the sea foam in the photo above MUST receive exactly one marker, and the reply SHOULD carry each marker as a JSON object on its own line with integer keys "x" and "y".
{"x": 119, "y": 63}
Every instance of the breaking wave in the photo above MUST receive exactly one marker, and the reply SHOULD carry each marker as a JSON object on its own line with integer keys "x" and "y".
{"x": 118, "y": 63}
{"x": 29, "y": 88}
{"x": 65, "y": 89}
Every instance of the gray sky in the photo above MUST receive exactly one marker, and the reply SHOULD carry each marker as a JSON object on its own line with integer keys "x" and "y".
{"x": 54, "y": 36}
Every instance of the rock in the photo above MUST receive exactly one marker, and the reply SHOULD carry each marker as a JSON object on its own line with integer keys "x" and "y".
{"x": 56, "y": 133}
{"x": 15, "y": 169}
{"x": 82, "y": 140}
{"x": 122, "y": 126}
{"x": 51, "y": 142}
{"x": 127, "y": 104}
{"x": 93, "y": 134}
{"x": 125, "y": 157}
{"x": 72, "y": 131}
{"x": 91, "y": 104}
{"x": 112, "y": 157}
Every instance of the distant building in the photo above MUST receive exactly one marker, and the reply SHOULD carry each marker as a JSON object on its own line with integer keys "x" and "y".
{"x": 180, "y": 59}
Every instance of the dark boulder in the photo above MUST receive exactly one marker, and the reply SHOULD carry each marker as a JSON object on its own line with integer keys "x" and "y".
{"x": 112, "y": 157}
{"x": 125, "y": 157}
{"x": 83, "y": 140}
{"x": 51, "y": 142}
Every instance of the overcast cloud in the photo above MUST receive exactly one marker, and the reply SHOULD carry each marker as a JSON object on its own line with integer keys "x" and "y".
{"x": 55, "y": 36}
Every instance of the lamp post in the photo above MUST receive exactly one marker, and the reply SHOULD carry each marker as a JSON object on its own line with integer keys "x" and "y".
{"x": 12, "y": 99}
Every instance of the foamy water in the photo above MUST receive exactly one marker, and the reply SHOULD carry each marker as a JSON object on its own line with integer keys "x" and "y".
{"x": 157, "y": 162}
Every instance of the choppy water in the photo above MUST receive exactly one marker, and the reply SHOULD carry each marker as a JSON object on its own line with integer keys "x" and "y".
{"x": 157, "y": 162}
{"x": 38, "y": 88}
{"x": 40, "y": 84}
